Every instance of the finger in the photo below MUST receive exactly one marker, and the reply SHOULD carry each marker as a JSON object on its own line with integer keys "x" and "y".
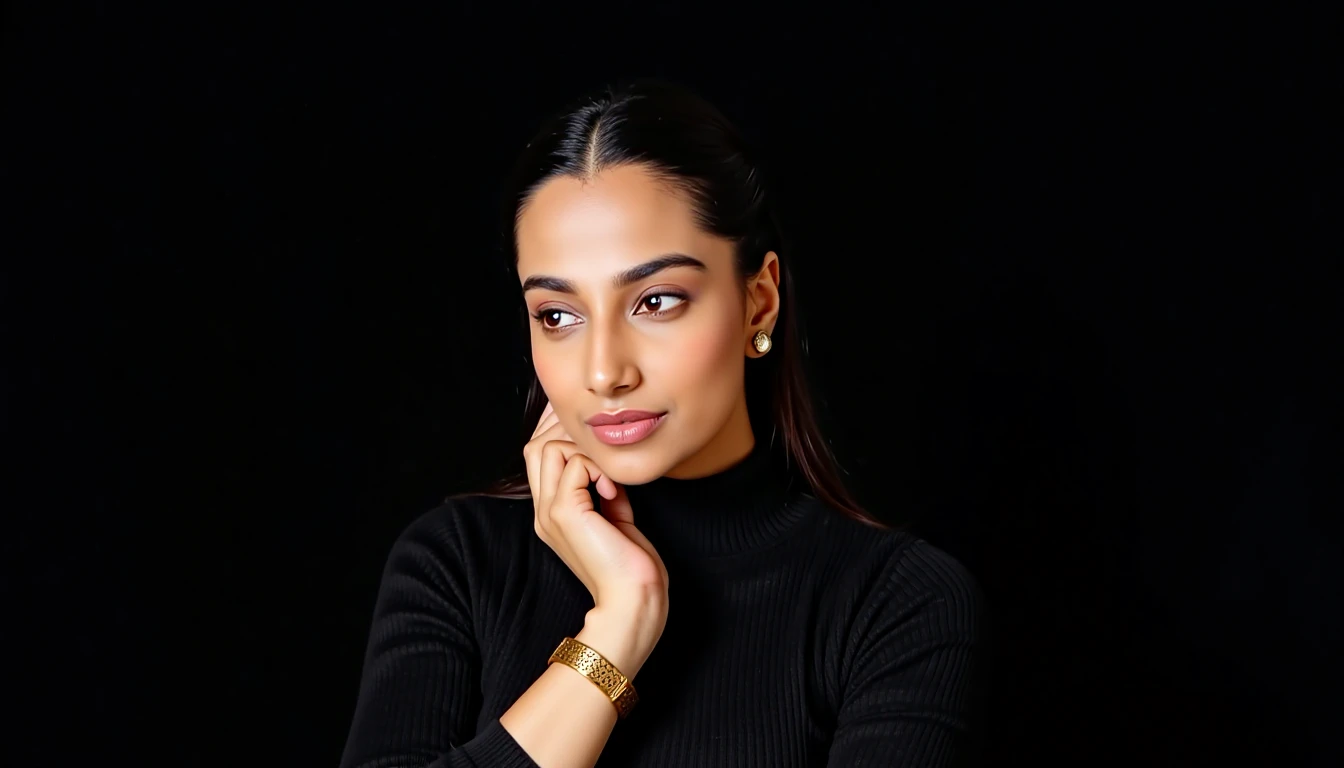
{"x": 572, "y": 487}
{"x": 532, "y": 456}
{"x": 558, "y": 430}
{"x": 616, "y": 507}
{"x": 553, "y": 431}
{"x": 544, "y": 421}
{"x": 550, "y": 434}
{"x": 606, "y": 488}
{"x": 532, "y": 462}
{"x": 552, "y": 464}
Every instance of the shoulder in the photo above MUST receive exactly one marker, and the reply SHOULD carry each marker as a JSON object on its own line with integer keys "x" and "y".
{"x": 463, "y": 527}
{"x": 897, "y": 571}
{"x": 923, "y": 586}
{"x": 929, "y": 576}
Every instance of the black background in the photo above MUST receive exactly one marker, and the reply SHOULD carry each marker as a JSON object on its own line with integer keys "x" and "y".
{"x": 1071, "y": 284}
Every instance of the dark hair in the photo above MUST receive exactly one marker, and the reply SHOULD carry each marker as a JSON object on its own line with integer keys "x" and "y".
{"x": 687, "y": 143}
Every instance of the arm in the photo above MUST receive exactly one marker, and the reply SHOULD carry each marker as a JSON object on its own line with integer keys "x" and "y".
{"x": 419, "y": 696}
{"x": 419, "y": 692}
{"x": 564, "y": 720}
{"x": 915, "y": 668}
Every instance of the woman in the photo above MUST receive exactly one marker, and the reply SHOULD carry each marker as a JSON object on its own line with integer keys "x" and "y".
{"x": 681, "y": 549}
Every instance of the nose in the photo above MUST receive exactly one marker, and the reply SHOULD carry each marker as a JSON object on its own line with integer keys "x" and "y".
{"x": 611, "y": 368}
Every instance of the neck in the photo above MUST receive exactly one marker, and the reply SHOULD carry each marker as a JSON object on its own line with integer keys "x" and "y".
{"x": 741, "y": 508}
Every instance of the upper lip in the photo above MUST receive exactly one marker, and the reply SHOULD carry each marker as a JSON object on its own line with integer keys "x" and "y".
{"x": 621, "y": 417}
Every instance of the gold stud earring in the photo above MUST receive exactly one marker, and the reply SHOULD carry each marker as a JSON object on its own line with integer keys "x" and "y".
{"x": 761, "y": 341}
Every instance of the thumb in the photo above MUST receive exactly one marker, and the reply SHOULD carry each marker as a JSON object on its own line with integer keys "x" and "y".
{"x": 617, "y": 509}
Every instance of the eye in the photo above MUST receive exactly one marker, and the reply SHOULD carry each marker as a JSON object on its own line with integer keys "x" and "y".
{"x": 554, "y": 319}
{"x": 658, "y": 303}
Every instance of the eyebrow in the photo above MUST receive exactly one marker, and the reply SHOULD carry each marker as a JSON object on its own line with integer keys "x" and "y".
{"x": 626, "y": 277}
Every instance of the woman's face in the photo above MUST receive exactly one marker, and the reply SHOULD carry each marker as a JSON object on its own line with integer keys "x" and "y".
{"x": 634, "y": 308}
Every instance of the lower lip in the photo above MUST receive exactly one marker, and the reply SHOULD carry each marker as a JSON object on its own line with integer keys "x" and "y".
{"x": 627, "y": 433}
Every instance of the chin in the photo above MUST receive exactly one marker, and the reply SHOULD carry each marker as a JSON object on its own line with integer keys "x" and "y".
{"x": 631, "y": 466}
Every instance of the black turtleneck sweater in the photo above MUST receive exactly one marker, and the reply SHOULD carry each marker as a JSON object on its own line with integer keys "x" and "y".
{"x": 795, "y": 636}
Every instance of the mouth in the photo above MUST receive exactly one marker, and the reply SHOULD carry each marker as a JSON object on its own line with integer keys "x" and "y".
{"x": 625, "y": 427}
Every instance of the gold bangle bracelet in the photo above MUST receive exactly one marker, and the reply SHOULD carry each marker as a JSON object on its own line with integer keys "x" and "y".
{"x": 601, "y": 672}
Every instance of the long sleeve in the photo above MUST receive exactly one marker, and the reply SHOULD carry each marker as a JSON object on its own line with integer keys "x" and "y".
{"x": 419, "y": 692}
{"x": 914, "y": 678}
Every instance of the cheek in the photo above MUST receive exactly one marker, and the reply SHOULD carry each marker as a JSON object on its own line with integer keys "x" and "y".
{"x": 562, "y": 383}
{"x": 551, "y": 373}
{"x": 701, "y": 362}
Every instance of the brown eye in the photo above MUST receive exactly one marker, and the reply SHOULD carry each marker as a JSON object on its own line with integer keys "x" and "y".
{"x": 657, "y": 303}
{"x": 554, "y": 319}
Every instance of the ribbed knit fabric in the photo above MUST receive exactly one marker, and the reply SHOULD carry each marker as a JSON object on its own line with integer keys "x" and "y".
{"x": 795, "y": 636}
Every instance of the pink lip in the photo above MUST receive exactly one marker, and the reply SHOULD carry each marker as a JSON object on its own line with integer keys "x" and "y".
{"x": 625, "y": 427}
{"x": 621, "y": 417}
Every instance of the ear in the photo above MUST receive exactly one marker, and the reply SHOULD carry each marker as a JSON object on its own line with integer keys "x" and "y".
{"x": 763, "y": 299}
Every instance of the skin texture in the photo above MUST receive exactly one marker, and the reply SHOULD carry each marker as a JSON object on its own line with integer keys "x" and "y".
{"x": 601, "y": 349}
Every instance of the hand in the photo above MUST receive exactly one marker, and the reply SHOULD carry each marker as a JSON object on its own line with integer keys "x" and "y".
{"x": 618, "y": 565}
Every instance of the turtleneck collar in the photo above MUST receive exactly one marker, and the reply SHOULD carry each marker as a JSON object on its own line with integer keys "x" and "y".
{"x": 741, "y": 509}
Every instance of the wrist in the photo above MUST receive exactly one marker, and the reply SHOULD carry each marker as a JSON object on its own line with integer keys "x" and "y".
{"x": 624, "y": 636}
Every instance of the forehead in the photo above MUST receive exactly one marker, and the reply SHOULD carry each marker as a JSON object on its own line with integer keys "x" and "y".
{"x": 621, "y": 217}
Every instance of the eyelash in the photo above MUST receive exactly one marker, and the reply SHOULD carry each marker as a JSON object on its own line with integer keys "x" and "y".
{"x": 539, "y": 314}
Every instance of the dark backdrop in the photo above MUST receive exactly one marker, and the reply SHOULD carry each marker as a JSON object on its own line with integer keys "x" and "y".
{"x": 1072, "y": 288}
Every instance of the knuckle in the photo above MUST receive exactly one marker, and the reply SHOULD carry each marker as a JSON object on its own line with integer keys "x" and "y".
{"x": 561, "y": 509}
